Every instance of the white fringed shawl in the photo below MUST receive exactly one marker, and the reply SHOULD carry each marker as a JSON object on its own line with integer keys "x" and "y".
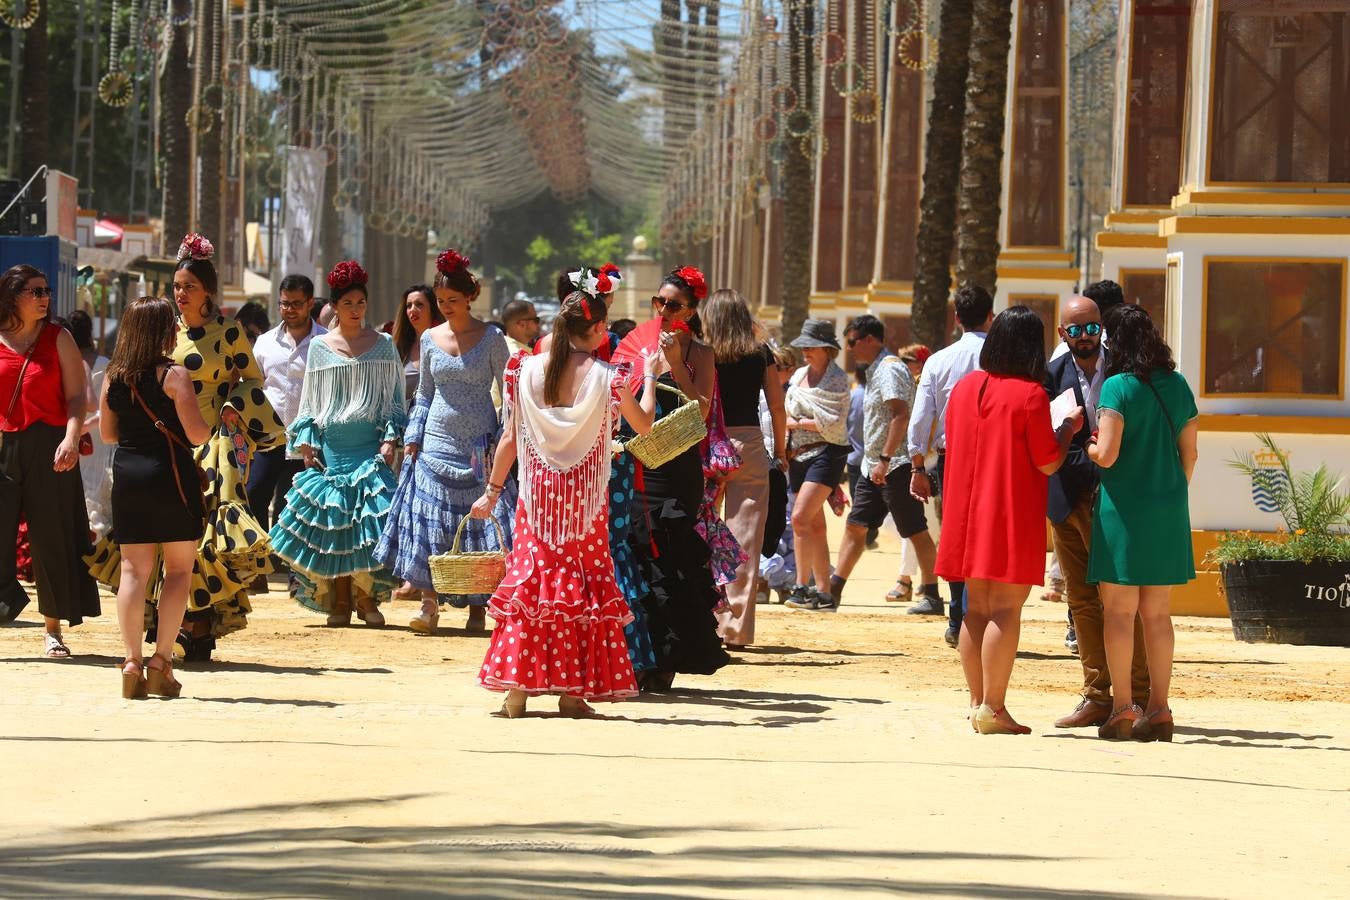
{"x": 564, "y": 453}
{"x": 827, "y": 404}
{"x": 366, "y": 388}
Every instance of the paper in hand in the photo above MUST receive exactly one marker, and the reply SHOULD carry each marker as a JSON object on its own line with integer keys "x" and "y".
{"x": 1062, "y": 407}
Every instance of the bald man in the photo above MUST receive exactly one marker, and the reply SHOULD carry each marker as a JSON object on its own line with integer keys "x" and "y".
{"x": 1082, "y": 369}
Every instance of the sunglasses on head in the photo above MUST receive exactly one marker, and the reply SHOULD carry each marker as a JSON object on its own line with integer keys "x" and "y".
{"x": 672, "y": 305}
{"x": 1091, "y": 329}
{"x": 39, "y": 292}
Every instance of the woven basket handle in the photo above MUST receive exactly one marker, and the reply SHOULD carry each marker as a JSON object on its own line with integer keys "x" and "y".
{"x": 674, "y": 390}
{"x": 459, "y": 533}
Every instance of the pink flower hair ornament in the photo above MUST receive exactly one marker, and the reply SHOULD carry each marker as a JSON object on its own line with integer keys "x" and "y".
{"x": 195, "y": 246}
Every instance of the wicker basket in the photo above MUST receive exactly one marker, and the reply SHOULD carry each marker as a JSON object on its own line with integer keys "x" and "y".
{"x": 672, "y": 435}
{"x": 478, "y": 572}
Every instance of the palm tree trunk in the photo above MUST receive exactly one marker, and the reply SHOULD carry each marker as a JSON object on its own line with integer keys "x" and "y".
{"x": 35, "y": 121}
{"x": 942, "y": 167}
{"x": 979, "y": 206}
{"x": 798, "y": 188}
{"x": 175, "y": 98}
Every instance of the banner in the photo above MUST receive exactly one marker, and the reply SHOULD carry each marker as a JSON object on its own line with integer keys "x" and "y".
{"x": 305, "y": 170}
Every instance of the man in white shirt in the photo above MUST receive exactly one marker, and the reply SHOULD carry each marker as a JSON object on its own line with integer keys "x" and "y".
{"x": 928, "y": 423}
{"x": 282, "y": 353}
{"x": 521, "y": 321}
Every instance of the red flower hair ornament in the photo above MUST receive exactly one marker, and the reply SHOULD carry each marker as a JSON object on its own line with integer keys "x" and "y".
{"x": 346, "y": 274}
{"x": 694, "y": 278}
{"x": 195, "y": 246}
{"x": 450, "y": 262}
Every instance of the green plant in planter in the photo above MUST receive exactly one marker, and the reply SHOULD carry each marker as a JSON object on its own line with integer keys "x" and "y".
{"x": 1315, "y": 509}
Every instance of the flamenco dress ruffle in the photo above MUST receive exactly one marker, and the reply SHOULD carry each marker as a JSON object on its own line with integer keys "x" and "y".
{"x": 334, "y": 517}
{"x": 560, "y": 621}
{"x": 627, "y": 573}
{"x": 433, "y": 496}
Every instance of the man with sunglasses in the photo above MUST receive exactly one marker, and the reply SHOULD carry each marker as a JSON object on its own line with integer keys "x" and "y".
{"x": 282, "y": 354}
{"x": 521, "y": 321}
{"x": 1081, "y": 367}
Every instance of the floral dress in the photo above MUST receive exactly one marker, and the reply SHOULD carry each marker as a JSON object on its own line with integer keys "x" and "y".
{"x": 234, "y": 548}
{"x": 454, "y": 425}
{"x": 560, "y": 614}
{"x": 334, "y": 516}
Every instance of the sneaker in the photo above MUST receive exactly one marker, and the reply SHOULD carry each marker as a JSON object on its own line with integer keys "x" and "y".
{"x": 927, "y": 606}
{"x": 1071, "y": 640}
{"x": 951, "y": 636}
{"x": 799, "y": 598}
{"x": 814, "y": 600}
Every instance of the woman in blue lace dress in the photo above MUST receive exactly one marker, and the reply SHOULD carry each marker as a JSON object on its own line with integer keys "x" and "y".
{"x": 350, "y": 422}
{"x": 448, "y": 448}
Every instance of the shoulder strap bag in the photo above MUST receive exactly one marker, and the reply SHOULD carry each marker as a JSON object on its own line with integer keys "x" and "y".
{"x": 1171, "y": 426}
{"x": 18, "y": 382}
{"x": 173, "y": 439}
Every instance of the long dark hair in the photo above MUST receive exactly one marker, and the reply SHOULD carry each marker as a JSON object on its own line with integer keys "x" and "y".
{"x": 1015, "y": 345}
{"x": 1136, "y": 346}
{"x": 11, "y": 283}
{"x": 404, "y": 333}
{"x": 578, "y": 314}
{"x": 147, "y": 326}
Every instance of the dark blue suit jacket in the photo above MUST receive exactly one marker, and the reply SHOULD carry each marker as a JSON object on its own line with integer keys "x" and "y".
{"x": 1078, "y": 476}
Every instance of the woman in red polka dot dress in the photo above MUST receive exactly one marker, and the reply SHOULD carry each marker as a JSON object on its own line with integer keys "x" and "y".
{"x": 559, "y": 613}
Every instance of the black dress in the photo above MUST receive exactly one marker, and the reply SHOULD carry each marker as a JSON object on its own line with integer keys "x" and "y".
{"x": 675, "y": 561}
{"x": 146, "y": 505}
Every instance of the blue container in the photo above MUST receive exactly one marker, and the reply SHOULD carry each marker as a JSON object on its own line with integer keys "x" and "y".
{"x": 54, "y": 256}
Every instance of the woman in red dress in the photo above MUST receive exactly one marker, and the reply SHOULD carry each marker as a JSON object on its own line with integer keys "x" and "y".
{"x": 559, "y": 612}
{"x": 1000, "y": 449}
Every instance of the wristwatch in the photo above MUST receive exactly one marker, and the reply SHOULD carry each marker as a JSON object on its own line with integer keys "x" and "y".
{"x": 920, "y": 468}
{"x": 884, "y": 458}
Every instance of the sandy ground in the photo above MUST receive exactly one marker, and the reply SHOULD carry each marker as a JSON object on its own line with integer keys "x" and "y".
{"x": 831, "y": 759}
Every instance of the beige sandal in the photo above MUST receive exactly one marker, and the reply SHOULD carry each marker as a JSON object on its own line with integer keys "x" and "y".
{"x": 902, "y": 592}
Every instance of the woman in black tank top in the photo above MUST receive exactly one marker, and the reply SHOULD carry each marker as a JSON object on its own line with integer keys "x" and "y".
{"x": 157, "y": 506}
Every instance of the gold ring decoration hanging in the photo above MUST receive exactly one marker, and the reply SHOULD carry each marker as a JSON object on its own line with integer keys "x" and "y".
{"x": 783, "y": 99}
{"x": 23, "y": 21}
{"x": 152, "y": 32}
{"x": 910, "y": 50}
{"x": 329, "y": 153}
{"x": 847, "y": 77}
{"x": 377, "y": 220}
{"x": 114, "y": 89}
{"x": 864, "y": 106}
{"x": 810, "y": 149}
{"x": 799, "y": 123}
{"x": 831, "y": 48}
{"x": 766, "y": 129}
{"x": 912, "y": 17}
{"x": 200, "y": 119}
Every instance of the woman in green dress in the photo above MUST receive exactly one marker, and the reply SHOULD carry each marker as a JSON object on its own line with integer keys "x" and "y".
{"x": 1141, "y": 526}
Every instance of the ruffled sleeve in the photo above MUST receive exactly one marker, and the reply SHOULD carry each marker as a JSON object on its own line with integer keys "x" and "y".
{"x": 426, "y": 389}
{"x": 304, "y": 431}
{"x": 246, "y": 395}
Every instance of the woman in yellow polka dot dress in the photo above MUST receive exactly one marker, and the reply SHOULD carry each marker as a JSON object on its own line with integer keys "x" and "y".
{"x": 235, "y": 548}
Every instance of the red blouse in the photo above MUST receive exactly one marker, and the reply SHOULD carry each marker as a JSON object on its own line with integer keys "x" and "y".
{"x": 42, "y": 397}
{"x": 994, "y": 496}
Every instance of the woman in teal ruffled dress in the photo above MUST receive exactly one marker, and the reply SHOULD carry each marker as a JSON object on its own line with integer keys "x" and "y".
{"x": 351, "y": 419}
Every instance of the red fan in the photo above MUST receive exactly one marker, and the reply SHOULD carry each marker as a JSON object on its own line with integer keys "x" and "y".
{"x": 641, "y": 342}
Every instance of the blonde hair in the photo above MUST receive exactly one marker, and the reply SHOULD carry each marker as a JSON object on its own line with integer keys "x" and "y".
{"x": 728, "y": 326}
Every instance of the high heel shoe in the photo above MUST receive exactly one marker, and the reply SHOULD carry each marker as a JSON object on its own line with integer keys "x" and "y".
{"x": 575, "y": 708}
{"x": 160, "y": 681}
{"x": 1153, "y": 727}
{"x": 341, "y": 616}
{"x": 1117, "y": 728}
{"x": 133, "y": 683}
{"x": 511, "y": 709}
{"x": 997, "y": 721}
{"x": 372, "y": 617}
{"x": 425, "y": 622}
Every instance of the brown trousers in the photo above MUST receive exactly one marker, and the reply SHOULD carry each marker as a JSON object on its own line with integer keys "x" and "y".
{"x": 1073, "y": 538}
{"x": 746, "y": 505}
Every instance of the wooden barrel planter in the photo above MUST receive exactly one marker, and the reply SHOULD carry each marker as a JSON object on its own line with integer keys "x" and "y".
{"x": 1287, "y": 602}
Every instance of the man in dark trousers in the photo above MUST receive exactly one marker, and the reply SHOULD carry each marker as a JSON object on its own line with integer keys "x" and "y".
{"x": 1082, "y": 369}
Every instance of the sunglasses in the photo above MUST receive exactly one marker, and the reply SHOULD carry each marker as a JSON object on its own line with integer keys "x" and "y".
{"x": 534, "y": 319}
{"x": 39, "y": 292}
{"x": 672, "y": 305}
{"x": 851, "y": 341}
{"x": 1091, "y": 329}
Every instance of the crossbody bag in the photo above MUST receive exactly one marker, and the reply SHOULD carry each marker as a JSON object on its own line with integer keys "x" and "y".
{"x": 1171, "y": 426}
{"x": 174, "y": 440}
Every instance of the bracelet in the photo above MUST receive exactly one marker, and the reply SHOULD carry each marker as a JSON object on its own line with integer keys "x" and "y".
{"x": 494, "y": 488}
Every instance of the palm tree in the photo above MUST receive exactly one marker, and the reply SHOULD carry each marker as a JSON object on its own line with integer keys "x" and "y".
{"x": 942, "y": 153}
{"x": 35, "y": 123}
{"x": 982, "y": 146}
{"x": 209, "y": 144}
{"x": 175, "y": 99}
{"x": 798, "y": 186}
